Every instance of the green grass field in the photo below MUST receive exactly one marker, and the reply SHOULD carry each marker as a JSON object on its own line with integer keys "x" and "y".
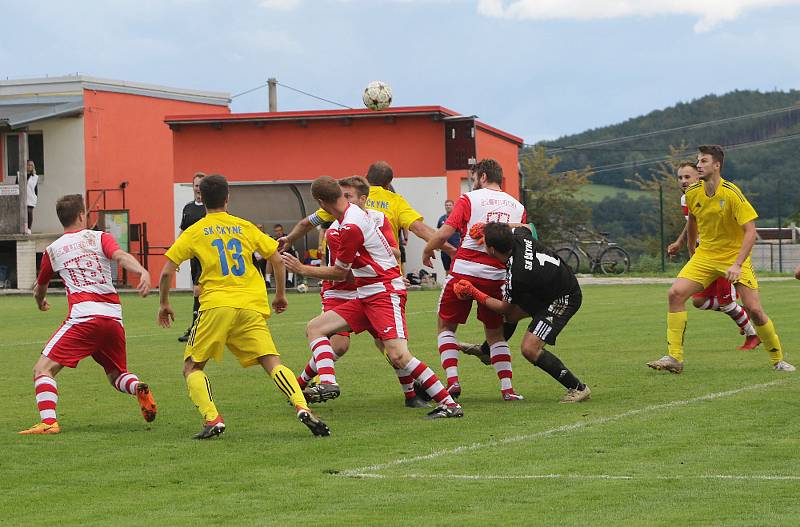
{"x": 595, "y": 192}
{"x": 716, "y": 445}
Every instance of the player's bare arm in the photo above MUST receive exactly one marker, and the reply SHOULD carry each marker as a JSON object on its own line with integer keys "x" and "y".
{"x": 735, "y": 270}
{"x": 797, "y": 272}
{"x": 40, "y": 295}
{"x": 129, "y": 263}
{"x": 165, "y": 313}
{"x": 333, "y": 273}
{"x": 436, "y": 241}
{"x": 691, "y": 233}
{"x": 465, "y": 289}
{"x": 279, "y": 303}
{"x": 303, "y": 226}
{"x": 426, "y": 232}
{"x": 674, "y": 247}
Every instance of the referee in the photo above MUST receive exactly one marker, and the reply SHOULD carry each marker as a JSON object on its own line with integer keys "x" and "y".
{"x": 538, "y": 285}
{"x": 192, "y": 213}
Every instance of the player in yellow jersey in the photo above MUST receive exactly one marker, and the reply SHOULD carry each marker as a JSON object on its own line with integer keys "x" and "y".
{"x": 724, "y": 220}
{"x": 401, "y": 215}
{"x": 234, "y": 307}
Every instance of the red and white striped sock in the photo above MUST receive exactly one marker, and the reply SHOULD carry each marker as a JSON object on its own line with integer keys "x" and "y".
{"x": 711, "y": 303}
{"x": 46, "y": 398}
{"x": 322, "y": 353}
{"x": 428, "y": 380}
{"x": 501, "y": 361}
{"x": 127, "y": 383}
{"x": 448, "y": 354}
{"x": 310, "y": 371}
{"x": 406, "y": 382}
{"x": 740, "y": 316}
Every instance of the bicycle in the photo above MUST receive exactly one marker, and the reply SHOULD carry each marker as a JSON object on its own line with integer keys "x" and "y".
{"x": 609, "y": 257}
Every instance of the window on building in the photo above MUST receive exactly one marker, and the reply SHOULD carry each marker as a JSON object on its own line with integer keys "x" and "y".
{"x": 35, "y": 152}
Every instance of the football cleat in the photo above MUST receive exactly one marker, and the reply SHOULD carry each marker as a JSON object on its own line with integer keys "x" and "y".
{"x": 454, "y": 390}
{"x": 476, "y": 351}
{"x": 42, "y": 429}
{"x": 512, "y": 396}
{"x": 185, "y": 336}
{"x": 315, "y": 424}
{"x": 421, "y": 392}
{"x": 750, "y": 342}
{"x": 444, "y": 411}
{"x": 211, "y": 429}
{"x": 667, "y": 363}
{"x": 416, "y": 402}
{"x": 783, "y": 366}
{"x": 319, "y": 393}
{"x": 575, "y": 395}
{"x": 146, "y": 402}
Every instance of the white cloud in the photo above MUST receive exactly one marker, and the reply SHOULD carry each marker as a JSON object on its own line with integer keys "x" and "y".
{"x": 280, "y": 5}
{"x": 710, "y": 13}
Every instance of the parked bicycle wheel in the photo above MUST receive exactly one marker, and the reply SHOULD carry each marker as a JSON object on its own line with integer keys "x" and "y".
{"x": 614, "y": 260}
{"x": 569, "y": 257}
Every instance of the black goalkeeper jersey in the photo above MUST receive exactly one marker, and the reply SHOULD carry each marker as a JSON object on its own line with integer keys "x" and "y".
{"x": 192, "y": 213}
{"x": 535, "y": 275}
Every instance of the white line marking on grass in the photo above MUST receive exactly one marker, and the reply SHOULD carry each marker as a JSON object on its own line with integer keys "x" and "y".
{"x": 490, "y": 477}
{"x": 366, "y": 471}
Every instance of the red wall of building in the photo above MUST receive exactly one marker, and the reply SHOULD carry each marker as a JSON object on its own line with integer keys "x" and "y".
{"x": 505, "y": 153}
{"x": 287, "y": 151}
{"x": 126, "y": 140}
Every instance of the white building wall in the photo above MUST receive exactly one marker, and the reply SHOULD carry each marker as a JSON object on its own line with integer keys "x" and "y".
{"x": 65, "y": 168}
{"x": 427, "y": 195}
{"x": 182, "y": 194}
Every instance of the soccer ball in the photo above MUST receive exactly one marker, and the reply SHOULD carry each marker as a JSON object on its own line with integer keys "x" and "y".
{"x": 377, "y": 95}
{"x": 302, "y": 288}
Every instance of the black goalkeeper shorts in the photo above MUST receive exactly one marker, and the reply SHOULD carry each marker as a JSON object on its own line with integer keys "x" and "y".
{"x": 550, "y": 319}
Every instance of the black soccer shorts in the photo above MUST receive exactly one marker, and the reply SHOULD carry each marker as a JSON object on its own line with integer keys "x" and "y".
{"x": 550, "y": 319}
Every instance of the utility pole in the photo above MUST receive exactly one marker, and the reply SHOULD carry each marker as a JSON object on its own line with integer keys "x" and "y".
{"x": 22, "y": 181}
{"x": 661, "y": 222}
{"x": 272, "y": 82}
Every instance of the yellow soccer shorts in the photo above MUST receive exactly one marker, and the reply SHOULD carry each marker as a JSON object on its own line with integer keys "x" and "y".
{"x": 704, "y": 271}
{"x": 244, "y": 331}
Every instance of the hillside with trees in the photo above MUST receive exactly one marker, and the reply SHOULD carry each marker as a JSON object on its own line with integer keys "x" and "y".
{"x": 761, "y": 135}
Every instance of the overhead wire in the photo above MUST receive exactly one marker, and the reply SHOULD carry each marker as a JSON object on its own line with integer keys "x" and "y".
{"x": 307, "y": 94}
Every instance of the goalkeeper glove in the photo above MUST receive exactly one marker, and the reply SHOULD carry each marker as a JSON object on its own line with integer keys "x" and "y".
{"x": 465, "y": 290}
{"x": 476, "y": 232}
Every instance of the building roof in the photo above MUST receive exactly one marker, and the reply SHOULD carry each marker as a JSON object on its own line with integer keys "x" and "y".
{"x": 74, "y": 85}
{"x": 18, "y": 113}
{"x": 435, "y": 112}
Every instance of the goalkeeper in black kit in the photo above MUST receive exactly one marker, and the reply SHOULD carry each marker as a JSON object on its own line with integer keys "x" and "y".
{"x": 538, "y": 285}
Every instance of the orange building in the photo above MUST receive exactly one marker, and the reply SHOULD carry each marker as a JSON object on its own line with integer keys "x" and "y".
{"x": 271, "y": 159}
{"x": 104, "y": 139}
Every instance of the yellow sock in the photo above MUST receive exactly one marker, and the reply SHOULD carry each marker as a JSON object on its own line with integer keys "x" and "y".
{"x": 676, "y": 327}
{"x": 200, "y": 394}
{"x": 286, "y": 381}
{"x": 770, "y": 341}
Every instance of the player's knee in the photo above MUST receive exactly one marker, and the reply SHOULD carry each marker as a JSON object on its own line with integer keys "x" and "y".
{"x": 532, "y": 353}
{"x": 698, "y": 302}
{"x": 676, "y": 295}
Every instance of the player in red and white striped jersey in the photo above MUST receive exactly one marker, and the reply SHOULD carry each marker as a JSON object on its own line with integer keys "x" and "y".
{"x": 720, "y": 295}
{"x": 93, "y": 328}
{"x": 380, "y": 305}
{"x": 335, "y": 293}
{"x": 486, "y": 203}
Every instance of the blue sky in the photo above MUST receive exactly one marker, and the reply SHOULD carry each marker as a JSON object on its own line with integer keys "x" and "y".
{"x": 536, "y": 68}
